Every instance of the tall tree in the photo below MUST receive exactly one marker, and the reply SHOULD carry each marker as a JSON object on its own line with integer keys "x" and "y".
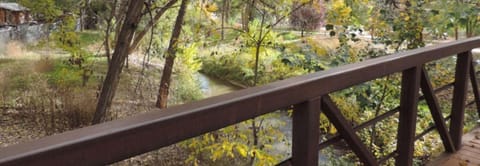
{"x": 127, "y": 44}
{"x": 122, "y": 46}
{"x": 248, "y": 14}
{"x": 162, "y": 98}
{"x": 307, "y": 17}
{"x": 225, "y": 11}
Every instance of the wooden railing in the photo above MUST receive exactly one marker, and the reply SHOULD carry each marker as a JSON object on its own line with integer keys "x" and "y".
{"x": 120, "y": 139}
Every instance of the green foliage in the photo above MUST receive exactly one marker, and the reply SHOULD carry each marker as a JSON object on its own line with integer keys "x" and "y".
{"x": 339, "y": 13}
{"x": 87, "y": 38}
{"x": 454, "y": 14}
{"x": 65, "y": 76}
{"x": 45, "y": 9}
{"x": 67, "y": 39}
{"x": 186, "y": 84}
{"x": 412, "y": 21}
{"x": 281, "y": 54}
{"x": 234, "y": 143}
{"x": 238, "y": 66}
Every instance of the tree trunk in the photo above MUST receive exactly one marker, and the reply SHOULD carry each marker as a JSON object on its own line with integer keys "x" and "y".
{"x": 120, "y": 17}
{"x": 110, "y": 83}
{"x": 81, "y": 19}
{"x": 223, "y": 19}
{"x": 225, "y": 11}
{"x": 247, "y": 14}
{"x": 456, "y": 32}
{"x": 162, "y": 98}
{"x": 108, "y": 31}
{"x": 470, "y": 27}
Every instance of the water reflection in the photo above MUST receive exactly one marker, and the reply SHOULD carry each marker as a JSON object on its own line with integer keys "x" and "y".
{"x": 213, "y": 87}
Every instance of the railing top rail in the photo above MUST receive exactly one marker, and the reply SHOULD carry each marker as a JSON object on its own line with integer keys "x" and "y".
{"x": 116, "y": 140}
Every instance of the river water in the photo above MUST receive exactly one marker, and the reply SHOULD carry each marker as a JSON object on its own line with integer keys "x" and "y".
{"x": 210, "y": 86}
{"x": 213, "y": 87}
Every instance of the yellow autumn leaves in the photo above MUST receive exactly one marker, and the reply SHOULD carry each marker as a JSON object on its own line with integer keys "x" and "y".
{"x": 404, "y": 16}
{"x": 338, "y": 12}
{"x": 211, "y": 7}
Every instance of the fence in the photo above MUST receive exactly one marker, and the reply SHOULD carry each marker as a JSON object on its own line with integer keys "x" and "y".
{"x": 120, "y": 139}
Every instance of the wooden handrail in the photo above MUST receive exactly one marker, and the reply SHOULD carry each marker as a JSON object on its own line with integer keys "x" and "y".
{"x": 120, "y": 139}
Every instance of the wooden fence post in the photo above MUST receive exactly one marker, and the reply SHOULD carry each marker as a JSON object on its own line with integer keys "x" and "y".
{"x": 459, "y": 96}
{"x": 408, "y": 116}
{"x": 305, "y": 137}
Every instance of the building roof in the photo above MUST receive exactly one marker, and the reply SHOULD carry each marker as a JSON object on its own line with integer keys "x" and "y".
{"x": 12, "y": 7}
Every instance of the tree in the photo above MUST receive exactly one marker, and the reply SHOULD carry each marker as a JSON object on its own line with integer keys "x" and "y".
{"x": 122, "y": 46}
{"x": 45, "y": 10}
{"x": 163, "y": 91}
{"x": 128, "y": 45}
{"x": 151, "y": 23}
{"x": 109, "y": 28}
{"x": 225, "y": 13}
{"x": 308, "y": 17}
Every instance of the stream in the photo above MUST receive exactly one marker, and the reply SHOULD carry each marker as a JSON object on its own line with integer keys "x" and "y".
{"x": 209, "y": 86}
{"x": 213, "y": 87}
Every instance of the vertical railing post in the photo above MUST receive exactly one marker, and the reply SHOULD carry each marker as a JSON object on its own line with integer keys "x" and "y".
{"x": 305, "y": 133}
{"x": 459, "y": 96}
{"x": 408, "y": 116}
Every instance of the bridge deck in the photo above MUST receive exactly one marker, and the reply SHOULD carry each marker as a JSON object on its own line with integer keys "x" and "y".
{"x": 469, "y": 154}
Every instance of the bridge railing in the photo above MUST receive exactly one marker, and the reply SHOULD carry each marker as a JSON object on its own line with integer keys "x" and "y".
{"x": 309, "y": 94}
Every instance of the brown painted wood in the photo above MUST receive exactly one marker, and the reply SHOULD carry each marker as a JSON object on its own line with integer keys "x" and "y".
{"x": 465, "y": 147}
{"x": 468, "y": 152}
{"x": 287, "y": 162}
{"x": 467, "y": 157}
{"x": 408, "y": 116}
{"x": 345, "y": 129}
{"x": 459, "y": 97}
{"x": 474, "y": 82}
{"x": 306, "y": 119}
{"x": 388, "y": 157}
{"x": 434, "y": 107}
{"x": 337, "y": 138}
{"x": 128, "y": 137}
{"x": 475, "y": 142}
{"x": 471, "y": 147}
{"x": 465, "y": 160}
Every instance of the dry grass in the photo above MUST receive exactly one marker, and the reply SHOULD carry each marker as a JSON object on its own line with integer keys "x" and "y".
{"x": 44, "y": 65}
{"x": 14, "y": 49}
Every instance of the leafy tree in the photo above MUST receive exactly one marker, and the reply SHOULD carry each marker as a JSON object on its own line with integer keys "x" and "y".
{"x": 308, "y": 17}
{"x": 163, "y": 91}
{"x": 127, "y": 45}
{"x": 110, "y": 83}
{"x": 46, "y": 10}
{"x": 339, "y": 13}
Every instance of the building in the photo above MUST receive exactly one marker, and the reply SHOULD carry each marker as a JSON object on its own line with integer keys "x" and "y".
{"x": 13, "y": 14}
